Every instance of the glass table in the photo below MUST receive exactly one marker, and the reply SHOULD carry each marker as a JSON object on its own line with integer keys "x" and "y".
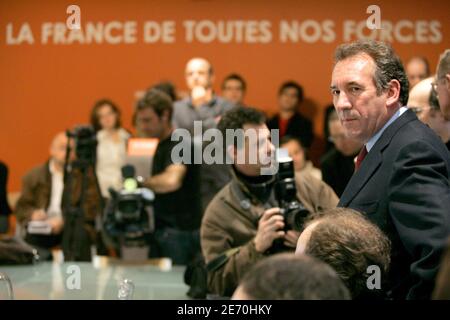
{"x": 97, "y": 280}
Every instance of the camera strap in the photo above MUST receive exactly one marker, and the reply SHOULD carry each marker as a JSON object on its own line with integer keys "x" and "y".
{"x": 219, "y": 261}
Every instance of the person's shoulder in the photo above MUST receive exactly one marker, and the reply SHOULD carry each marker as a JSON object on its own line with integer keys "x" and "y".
{"x": 223, "y": 103}
{"x": 329, "y": 157}
{"x": 273, "y": 121}
{"x": 416, "y": 132}
{"x": 124, "y": 134}
{"x": 218, "y": 207}
{"x": 307, "y": 178}
{"x": 298, "y": 117}
{"x": 3, "y": 168}
{"x": 37, "y": 173}
{"x": 180, "y": 104}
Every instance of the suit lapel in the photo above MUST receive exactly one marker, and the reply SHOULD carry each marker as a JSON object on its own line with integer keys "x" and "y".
{"x": 360, "y": 177}
{"x": 373, "y": 159}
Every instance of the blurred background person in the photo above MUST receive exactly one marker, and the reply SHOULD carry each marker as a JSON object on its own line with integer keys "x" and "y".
{"x": 205, "y": 106}
{"x": 289, "y": 120}
{"x": 424, "y": 102}
{"x": 289, "y": 277}
{"x": 234, "y": 88}
{"x": 349, "y": 243}
{"x": 168, "y": 88}
{"x": 5, "y": 210}
{"x": 41, "y": 196}
{"x": 177, "y": 204}
{"x": 338, "y": 164}
{"x": 202, "y": 104}
{"x": 442, "y": 83}
{"x": 112, "y": 143}
{"x": 417, "y": 69}
{"x": 329, "y": 109}
{"x": 299, "y": 156}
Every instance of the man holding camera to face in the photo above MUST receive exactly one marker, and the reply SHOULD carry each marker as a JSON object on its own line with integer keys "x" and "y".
{"x": 243, "y": 223}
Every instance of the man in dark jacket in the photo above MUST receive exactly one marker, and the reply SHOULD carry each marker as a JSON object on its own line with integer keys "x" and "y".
{"x": 402, "y": 172}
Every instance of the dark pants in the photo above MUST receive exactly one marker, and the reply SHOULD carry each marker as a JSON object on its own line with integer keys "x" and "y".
{"x": 179, "y": 245}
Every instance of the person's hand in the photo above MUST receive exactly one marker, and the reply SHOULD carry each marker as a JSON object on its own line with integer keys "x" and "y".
{"x": 38, "y": 214}
{"x": 57, "y": 224}
{"x": 269, "y": 228}
{"x": 291, "y": 239}
{"x": 198, "y": 95}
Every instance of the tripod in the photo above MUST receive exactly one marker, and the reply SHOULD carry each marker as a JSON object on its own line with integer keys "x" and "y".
{"x": 76, "y": 240}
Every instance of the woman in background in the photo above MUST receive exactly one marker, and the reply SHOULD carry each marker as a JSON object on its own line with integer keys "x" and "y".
{"x": 111, "y": 148}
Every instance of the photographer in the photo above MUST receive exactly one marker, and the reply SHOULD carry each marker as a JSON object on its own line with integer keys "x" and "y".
{"x": 243, "y": 221}
{"x": 177, "y": 203}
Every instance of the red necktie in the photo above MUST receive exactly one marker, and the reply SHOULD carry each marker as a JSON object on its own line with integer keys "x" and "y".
{"x": 362, "y": 154}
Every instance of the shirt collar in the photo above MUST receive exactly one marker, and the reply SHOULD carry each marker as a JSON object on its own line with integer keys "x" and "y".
{"x": 374, "y": 139}
{"x": 52, "y": 169}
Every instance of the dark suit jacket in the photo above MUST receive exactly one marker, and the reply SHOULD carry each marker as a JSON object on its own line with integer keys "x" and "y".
{"x": 337, "y": 170}
{"x": 403, "y": 187}
{"x": 298, "y": 127}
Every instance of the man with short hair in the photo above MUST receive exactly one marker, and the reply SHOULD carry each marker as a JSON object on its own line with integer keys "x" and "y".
{"x": 402, "y": 173}
{"x": 417, "y": 69}
{"x": 289, "y": 277}
{"x": 338, "y": 164}
{"x": 243, "y": 220}
{"x": 177, "y": 205}
{"x": 289, "y": 121}
{"x": 204, "y": 106}
{"x": 442, "y": 83}
{"x": 234, "y": 88}
{"x": 349, "y": 243}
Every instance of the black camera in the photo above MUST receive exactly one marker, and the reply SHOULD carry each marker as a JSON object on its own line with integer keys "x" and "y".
{"x": 129, "y": 219}
{"x": 85, "y": 143}
{"x": 293, "y": 210}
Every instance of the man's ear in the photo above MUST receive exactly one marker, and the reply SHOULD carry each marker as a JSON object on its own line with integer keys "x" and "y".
{"x": 447, "y": 82}
{"x": 393, "y": 93}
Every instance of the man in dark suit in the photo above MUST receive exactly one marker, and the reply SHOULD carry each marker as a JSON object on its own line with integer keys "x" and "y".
{"x": 402, "y": 173}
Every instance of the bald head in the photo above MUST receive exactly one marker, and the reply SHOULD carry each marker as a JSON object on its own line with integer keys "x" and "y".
{"x": 419, "y": 97}
{"x": 199, "y": 72}
{"x": 58, "y": 149}
{"x": 417, "y": 69}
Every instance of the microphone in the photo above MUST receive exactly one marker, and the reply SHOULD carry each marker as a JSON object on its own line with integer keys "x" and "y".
{"x": 130, "y": 182}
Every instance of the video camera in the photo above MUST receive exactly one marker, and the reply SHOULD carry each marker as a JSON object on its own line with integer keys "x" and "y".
{"x": 128, "y": 218}
{"x": 293, "y": 210}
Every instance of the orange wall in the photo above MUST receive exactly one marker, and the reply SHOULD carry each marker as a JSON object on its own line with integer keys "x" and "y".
{"x": 46, "y": 88}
